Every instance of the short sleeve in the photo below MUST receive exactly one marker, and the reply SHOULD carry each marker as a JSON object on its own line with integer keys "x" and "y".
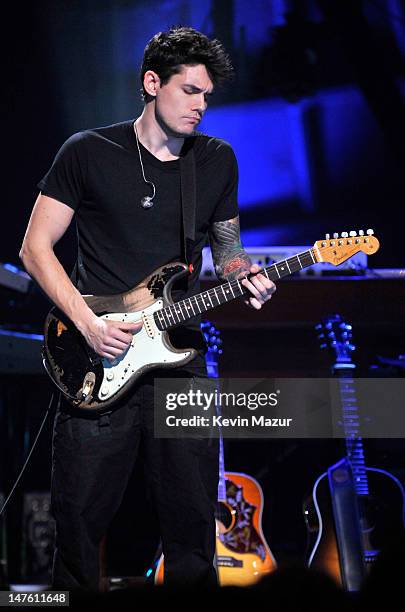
{"x": 65, "y": 179}
{"x": 227, "y": 207}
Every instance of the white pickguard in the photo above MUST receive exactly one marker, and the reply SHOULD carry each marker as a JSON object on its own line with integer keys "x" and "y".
{"x": 146, "y": 348}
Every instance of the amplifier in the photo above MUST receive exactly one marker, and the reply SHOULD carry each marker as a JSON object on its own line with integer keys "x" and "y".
{"x": 265, "y": 256}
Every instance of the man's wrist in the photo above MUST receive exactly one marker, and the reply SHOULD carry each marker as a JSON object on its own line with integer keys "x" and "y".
{"x": 84, "y": 319}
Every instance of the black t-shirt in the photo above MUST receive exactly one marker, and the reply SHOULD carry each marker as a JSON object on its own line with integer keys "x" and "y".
{"x": 97, "y": 173}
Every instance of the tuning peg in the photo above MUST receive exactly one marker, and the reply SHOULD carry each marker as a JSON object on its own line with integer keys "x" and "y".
{"x": 370, "y": 232}
{"x": 319, "y": 326}
{"x": 321, "y": 336}
{"x": 361, "y": 232}
{"x": 352, "y": 234}
{"x": 336, "y": 235}
{"x": 344, "y": 235}
{"x": 327, "y": 236}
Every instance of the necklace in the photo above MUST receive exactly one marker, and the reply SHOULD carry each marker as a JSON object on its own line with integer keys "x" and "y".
{"x": 147, "y": 201}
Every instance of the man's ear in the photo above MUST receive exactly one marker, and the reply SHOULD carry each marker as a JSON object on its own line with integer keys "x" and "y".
{"x": 151, "y": 82}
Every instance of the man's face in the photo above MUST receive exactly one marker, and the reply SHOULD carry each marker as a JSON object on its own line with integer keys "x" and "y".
{"x": 182, "y": 101}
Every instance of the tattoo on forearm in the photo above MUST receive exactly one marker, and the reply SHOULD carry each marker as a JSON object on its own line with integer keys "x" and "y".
{"x": 227, "y": 252}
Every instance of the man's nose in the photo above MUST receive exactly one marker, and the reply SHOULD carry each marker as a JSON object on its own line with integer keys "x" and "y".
{"x": 200, "y": 104}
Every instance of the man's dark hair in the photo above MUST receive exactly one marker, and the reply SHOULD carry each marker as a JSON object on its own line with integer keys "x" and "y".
{"x": 167, "y": 51}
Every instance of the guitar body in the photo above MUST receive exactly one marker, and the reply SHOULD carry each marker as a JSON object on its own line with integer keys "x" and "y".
{"x": 93, "y": 383}
{"x": 381, "y": 516}
{"x": 242, "y": 553}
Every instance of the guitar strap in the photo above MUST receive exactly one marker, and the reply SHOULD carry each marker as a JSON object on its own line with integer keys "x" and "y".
{"x": 188, "y": 203}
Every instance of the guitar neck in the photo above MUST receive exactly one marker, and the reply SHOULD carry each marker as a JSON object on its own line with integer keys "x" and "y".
{"x": 354, "y": 443}
{"x": 182, "y": 311}
{"x": 221, "y": 481}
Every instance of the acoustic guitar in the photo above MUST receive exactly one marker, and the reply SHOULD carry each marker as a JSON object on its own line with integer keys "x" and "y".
{"x": 353, "y": 508}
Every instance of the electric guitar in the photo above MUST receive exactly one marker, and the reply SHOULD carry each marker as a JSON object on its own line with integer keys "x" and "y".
{"x": 242, "y": 553}
{"x": 353, "y": 508}
{"x": 93, "y": 383}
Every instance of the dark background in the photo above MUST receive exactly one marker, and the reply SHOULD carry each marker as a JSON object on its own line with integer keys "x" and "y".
{"x": 316, "y": 118}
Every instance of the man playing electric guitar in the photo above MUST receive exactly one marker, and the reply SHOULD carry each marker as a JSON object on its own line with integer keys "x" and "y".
{"x": 121, "y": 184}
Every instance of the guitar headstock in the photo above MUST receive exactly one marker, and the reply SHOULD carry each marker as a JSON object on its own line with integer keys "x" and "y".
{"x": 336, "y": 335}
{"x": 337, "y": 249}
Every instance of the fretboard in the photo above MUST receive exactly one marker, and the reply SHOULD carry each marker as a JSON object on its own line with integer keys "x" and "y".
{"x": 354, "y": 443}
{"x": 221, "y": 480}
{"x": 182, "y": 311}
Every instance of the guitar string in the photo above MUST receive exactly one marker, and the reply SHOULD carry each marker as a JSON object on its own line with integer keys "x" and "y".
{"x": 233, "y": 284}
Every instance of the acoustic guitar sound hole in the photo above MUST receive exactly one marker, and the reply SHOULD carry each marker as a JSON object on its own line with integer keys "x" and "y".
{"x": 224, "y": 516}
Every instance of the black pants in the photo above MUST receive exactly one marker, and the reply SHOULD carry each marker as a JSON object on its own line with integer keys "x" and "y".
{"x": 91, "y": 464}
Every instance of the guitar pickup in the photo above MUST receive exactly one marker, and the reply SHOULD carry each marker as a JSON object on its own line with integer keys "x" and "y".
{"x": 149, "y": 325}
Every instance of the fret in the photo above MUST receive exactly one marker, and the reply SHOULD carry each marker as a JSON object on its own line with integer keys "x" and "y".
{"x": 160, "y": 316}
{"x": 292, "y": 264}
{"x": 286, "y": 261}
{"x": 226, "y": 293}
{"x": 173, "y": 308}
{"x": 218, "y": 300}
{"x": 299, "y": 261}
{"x": 181, "y": 311}
{"x": 230, "y": 287}
{"x": 266, "y": 273}
{"x": 310, "y": 252}
{"x": 167, "y": 317}
{"x": 281, "y": 267}
{"x": 209, "y": 297}
{"x": 223, "y": 291}
{"x": 191, "y": 305}
{"x": 196, "y": 302}
{"x": 204, "y": 303}
{"x": 275, "y": 266}
{"x": 240, "y": 288}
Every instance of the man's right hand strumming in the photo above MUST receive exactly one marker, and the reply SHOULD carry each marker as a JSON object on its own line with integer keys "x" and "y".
{"x": 109, "y": 339}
